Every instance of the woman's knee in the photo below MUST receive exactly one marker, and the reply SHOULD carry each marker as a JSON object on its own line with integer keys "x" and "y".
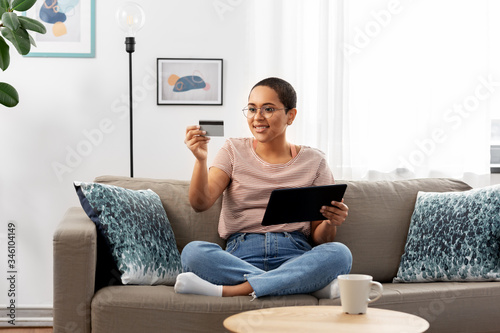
{"x": 195, "y": 252}
{"x": 341, "y": 255}
{"x": 346, "y": 256}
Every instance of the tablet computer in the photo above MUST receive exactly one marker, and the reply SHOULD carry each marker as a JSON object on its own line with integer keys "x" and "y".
{"x": 301, "y": 204}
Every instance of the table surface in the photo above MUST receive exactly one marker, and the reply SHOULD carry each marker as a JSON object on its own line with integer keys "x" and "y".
{"x": 324, "y": 319}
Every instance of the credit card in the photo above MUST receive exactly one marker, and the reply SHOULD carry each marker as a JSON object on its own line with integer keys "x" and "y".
{"x": 212, "y": 127}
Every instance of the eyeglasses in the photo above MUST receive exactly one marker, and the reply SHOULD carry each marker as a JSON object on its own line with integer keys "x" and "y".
{"x": 266, "y": 111}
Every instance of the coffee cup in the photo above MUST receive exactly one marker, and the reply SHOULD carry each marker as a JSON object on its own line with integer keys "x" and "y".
{"x": 355, "y": 292}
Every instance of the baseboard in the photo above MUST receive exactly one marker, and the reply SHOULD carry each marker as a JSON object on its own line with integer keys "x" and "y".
{"x": 26, "y": 316}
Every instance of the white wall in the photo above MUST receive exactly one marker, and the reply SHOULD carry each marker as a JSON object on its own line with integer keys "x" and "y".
{"x": 62, "y": 99}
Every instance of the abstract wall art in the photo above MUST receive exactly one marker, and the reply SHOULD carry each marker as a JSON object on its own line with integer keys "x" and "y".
{"x": 189, "y": 81}
{"x": 70, "y": 28}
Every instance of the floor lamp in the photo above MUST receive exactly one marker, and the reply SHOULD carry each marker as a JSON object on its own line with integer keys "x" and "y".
{"x": 130, "y": 18}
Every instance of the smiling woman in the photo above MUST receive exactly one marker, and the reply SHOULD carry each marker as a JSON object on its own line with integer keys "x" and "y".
{"x": 272, "y": 120}
{"x": 247, "y": 170}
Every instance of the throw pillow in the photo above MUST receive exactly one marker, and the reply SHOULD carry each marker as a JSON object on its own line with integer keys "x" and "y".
{"x": 137, "y": 231}
{"x": 453, "y": 236}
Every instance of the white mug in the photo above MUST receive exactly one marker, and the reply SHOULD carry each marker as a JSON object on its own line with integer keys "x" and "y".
{"x": 355, "y": 292}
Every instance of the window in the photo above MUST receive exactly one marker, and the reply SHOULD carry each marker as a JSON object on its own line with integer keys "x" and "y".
{"x": 388, "y": 89}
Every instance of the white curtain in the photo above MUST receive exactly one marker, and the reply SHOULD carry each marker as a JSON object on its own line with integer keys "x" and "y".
{"x": 300, "y": 41}
{"x": 387, "y": 89}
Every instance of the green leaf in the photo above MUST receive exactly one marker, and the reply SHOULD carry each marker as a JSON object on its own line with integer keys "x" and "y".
{"x": 32, "y": 24}
{"x": 4, "y": 54}
{"x": 5, "y": 4}
{"x": 32, "y": 41}
{"x": 11, "y": 21}
{"x": 22, "y": 5}
{"x": 19, "y": 38}
{"x": 8, "y": 95}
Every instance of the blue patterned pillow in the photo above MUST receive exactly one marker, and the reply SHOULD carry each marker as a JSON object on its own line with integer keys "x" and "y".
{"x": 137, "y": 231}
{"x": 453, "y": 236}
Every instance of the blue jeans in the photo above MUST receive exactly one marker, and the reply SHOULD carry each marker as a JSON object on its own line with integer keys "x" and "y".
{"x": 273, "y": 263}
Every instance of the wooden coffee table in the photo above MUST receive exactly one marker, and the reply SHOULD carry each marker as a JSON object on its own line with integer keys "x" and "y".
{"x": 324, "y": 319}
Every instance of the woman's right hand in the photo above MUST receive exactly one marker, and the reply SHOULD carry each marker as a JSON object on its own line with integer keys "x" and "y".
{"x": 196, "y": 142}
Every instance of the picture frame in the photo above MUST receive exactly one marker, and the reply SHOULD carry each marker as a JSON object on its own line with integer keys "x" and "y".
{"x": 70, "y": 29}
{"x": 189, "y": 81}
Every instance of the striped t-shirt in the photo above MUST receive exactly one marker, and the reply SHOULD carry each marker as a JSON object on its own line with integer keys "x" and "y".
{"x": 252, "y": 181}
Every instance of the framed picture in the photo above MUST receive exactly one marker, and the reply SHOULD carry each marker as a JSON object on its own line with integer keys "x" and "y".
{"x": 70, "y": 28}
{"x": 189, "y": 81}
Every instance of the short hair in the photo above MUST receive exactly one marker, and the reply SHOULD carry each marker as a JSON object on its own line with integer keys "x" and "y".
{"x": 285, "y": 91}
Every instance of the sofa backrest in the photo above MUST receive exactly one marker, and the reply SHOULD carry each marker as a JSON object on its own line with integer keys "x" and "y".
{"x": 375, "y": 230}
{"x": 379, "y": 218}
{"x": 187, "y": 224}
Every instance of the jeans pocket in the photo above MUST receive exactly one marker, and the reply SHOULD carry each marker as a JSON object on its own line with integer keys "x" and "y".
{"x": 299, "y": 242}
{"x": 234, "y": 243}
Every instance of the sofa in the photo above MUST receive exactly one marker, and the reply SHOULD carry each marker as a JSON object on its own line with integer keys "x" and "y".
{"x": 88, "y": 296}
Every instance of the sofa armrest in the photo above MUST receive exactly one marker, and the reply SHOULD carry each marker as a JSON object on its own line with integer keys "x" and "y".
{"x": 75, "y": 252}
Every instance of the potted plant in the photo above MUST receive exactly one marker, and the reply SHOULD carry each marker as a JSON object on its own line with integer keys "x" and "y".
{"x": 14, "y": 28}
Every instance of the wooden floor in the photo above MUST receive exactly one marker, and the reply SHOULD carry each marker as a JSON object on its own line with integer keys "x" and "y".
{"x": 27, "y": 330}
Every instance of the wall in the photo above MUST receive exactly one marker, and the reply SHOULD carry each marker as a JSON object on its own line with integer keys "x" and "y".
{"x": 65, "y": 100}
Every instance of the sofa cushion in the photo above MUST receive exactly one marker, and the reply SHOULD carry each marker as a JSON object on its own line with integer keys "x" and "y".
{"x": 160, "y": 309}
{"x": 136, "y": 230}
{"x": 187, "y": 224}
{"x": 379, "y": 217}
{"x": 453, "y": 237}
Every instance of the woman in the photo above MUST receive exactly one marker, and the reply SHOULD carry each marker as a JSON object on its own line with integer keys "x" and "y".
{"x": 258, "y": 260}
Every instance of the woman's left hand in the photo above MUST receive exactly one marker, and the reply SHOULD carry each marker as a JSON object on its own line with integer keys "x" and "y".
{"x": 335, "y": 214}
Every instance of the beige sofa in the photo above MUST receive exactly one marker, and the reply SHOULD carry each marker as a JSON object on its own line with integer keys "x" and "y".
{"x": 375, "y": 231}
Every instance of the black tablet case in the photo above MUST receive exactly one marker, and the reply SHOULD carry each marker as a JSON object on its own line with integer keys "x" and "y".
{"x": 301, "y": 204}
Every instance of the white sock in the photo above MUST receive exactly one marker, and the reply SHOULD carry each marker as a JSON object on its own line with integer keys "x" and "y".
{"x": 190, "y": 283}
{"x": 330, "y": 291}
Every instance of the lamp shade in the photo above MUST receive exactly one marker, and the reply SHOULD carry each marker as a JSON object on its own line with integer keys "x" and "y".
{"x": 130, "y": 18}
